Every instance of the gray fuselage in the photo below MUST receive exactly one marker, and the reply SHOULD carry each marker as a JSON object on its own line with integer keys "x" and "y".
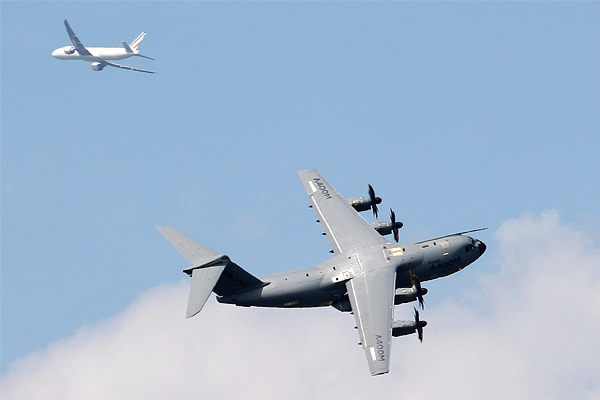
{"x": 324, "y": 285}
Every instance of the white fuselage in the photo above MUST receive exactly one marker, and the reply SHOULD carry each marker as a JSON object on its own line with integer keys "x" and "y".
{"x": 99, "y": 54}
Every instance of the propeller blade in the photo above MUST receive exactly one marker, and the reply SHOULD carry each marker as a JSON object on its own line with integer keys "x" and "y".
{"x": 419, "y": 324}
{"x": 395, "y": 226}
{"x": 374, "y": 201}
{"x": 420, "y": 292}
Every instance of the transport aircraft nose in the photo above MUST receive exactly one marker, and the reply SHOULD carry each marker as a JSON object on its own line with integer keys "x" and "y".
{"x": 482, "y": 247}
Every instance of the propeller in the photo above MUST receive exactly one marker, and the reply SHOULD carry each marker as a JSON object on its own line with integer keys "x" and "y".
{"x": 420, "y": 291}
{"x": 395, "y": 225}
{"x": 374, "y": 201}
{"x": 419, "y": 325}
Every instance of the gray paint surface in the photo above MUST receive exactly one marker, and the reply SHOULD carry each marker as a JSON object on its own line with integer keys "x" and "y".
{"x": 368, "y": 275}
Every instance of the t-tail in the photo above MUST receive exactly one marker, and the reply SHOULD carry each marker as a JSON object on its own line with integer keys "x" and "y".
{"x": 210, "y": 271}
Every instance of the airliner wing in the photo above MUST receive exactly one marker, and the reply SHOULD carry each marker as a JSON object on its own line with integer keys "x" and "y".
{"x": 126, "y": 67}
{"x": 76, "y": 42}
{"x": 342, "y": 224}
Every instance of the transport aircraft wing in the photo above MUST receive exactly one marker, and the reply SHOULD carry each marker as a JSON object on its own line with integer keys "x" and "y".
{"x": 342, "y": 224}
{"x": 372, "y": 298}
{"x": 372, "y": 283}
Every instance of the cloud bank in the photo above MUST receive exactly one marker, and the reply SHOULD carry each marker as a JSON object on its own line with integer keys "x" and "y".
{"x": 529, "y": 329}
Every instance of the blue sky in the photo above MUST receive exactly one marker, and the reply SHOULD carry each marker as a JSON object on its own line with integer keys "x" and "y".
{"x": 460, "y": 114}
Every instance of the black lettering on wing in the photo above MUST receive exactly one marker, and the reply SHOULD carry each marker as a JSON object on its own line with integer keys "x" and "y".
{"x": 321, "y": 186}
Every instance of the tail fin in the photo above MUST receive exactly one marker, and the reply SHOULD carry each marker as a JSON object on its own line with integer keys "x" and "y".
{"x": 210, "y": 271}
{"x": 134, "y": 45}
{"x": 132, "y": 48}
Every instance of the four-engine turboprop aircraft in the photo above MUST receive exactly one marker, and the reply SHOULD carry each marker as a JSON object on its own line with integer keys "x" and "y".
{"x": 100, "y": 57}
{"x": 367, "y": 276}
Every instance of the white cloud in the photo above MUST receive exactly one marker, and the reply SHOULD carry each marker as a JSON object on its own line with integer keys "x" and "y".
{"x": 535, "y": 335}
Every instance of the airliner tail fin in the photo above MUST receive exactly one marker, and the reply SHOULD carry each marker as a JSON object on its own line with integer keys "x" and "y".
{"x": 134, "y": 45}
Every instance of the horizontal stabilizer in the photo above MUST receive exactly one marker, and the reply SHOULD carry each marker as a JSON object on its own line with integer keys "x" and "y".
{"x": 210, "y": 271}
{"x": 203, "y": 282}
{"x": 194, "y": 252}
{"x": 127, "y": 48}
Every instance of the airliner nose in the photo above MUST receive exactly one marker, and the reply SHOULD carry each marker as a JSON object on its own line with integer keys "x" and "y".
{"x": 55, "y": 53}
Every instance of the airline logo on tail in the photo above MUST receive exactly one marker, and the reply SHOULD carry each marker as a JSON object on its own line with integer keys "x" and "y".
{"x": 137, "y": 41}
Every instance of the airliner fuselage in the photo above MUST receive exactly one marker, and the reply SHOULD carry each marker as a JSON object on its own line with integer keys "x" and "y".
{"x": 97, "y": 54}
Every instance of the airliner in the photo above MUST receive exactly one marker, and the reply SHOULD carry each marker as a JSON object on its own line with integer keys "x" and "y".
{"x": 100, "y": 57}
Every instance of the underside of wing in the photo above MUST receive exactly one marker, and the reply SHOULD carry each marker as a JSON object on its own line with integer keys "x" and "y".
{"x": 126, "y": 67}
{"x": 372, "y": 298}
{"x": 76, "y": 42}
{"x": 342, "y": 224}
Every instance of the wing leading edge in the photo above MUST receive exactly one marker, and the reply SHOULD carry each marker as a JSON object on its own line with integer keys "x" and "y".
{"x": 76, "y": 42}
{"x": 344, "y": 227}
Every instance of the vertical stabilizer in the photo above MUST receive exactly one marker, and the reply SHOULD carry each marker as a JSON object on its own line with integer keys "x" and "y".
{"x": 134, "y": 45}
{"x": 203, "y": 282}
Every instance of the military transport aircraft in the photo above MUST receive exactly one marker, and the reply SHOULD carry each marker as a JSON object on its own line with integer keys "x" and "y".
{"x": 100, "y": 56}
{"x": 367, "y": 276}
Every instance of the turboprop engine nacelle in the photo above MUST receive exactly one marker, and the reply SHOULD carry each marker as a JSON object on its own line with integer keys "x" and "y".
{"x": 361, "y": 203}
{"x": 97, "y": 66}
{"x": 401, "y": 328}
{"x": 406, "y": 295}
{"x": 385, "y": 228}
{"x": 69, "y": 50}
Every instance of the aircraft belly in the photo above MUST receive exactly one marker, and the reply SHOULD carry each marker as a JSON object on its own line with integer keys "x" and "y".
{"x": 305, "y": 294}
